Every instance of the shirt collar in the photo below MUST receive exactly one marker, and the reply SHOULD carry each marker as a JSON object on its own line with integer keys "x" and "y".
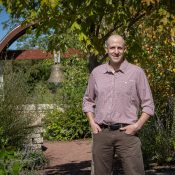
{"x": 123, "y": 67}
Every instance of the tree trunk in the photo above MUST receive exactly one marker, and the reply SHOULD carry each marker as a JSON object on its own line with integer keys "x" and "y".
{"x": 93, "y": 62}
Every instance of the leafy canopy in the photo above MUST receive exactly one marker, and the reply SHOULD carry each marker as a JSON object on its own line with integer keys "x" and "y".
{"x": 92, "y": 21}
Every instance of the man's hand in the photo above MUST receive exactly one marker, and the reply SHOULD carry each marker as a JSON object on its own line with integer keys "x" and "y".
{"x": 95, "y": 127}
{"x": 134, "y": 128}
{"x": 131, "y": 129}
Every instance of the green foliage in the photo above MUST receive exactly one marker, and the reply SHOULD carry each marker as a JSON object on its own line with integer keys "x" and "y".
{"x": 33, "y": 159}
{"x": 86, "y": 24}
{"x": 91, "y": 22}
{"x": 10, "y": 163}
{"x": 158, "y": 141}
{"x": 14, "y": 125}
{"x": 70, "y": 123}
{"x": 26, "y": 162}
{"x": 36, "y": 74}
{"x": 42, "y": 93}
{"x": 34, "y": 70}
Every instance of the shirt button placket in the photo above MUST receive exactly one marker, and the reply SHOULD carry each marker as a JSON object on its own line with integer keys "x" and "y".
{"x": 113, "y": 87}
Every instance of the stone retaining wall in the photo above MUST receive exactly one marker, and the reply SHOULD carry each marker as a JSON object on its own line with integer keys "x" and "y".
{"x": 35, "y": 140}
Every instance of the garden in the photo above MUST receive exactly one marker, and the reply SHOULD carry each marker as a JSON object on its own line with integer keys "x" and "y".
{"x": 149, "y": 30}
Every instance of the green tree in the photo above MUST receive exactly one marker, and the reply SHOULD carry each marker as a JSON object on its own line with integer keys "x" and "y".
{"x": 90, "y": 21}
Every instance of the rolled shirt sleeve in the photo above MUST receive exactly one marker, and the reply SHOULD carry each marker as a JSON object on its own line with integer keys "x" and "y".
{"x": 89, "y": 97}
{"x": 145, "y": 95}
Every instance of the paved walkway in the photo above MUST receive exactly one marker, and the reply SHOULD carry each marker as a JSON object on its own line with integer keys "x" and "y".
{"x": 74, "y": 158}
{"x": 68, "y": 158}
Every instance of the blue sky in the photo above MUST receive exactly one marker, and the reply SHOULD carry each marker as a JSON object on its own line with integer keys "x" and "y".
{"x": 4, "y": 16}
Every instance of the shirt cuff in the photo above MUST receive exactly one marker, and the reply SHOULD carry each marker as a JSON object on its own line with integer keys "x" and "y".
{"x": 88, "y": 109}
{"x": 148, "y": 110}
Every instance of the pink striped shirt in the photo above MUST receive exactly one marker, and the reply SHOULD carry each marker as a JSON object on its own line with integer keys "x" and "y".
{"x": 118, "y": 97}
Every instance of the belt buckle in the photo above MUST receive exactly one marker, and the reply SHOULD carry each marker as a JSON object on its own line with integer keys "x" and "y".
{"x": 115, "y": 126}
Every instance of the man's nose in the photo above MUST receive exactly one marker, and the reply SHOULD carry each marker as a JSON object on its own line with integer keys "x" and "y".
{"x": 116, "y": 50}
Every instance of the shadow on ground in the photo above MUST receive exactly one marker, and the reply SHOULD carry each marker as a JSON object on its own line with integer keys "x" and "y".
{"x": 73, "y": 168}
{"x": 84, "y": 168}
{"x": 161, "y": 171}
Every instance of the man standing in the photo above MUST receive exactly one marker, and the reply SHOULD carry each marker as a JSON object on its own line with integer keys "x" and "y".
{"x": 115, "y": 94}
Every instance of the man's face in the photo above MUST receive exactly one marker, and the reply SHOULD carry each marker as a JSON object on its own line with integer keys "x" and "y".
{"x": 115, "y": 49}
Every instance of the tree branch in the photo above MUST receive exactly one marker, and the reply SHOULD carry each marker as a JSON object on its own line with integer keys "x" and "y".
{"x": 98, "y": 26}
{"x": 110, "y": 31}
{"x": 137, "y": 17}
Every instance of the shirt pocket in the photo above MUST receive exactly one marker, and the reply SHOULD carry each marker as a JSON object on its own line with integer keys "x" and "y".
{"x": 126, "y": 88}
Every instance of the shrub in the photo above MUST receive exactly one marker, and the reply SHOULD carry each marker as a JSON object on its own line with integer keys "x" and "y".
{"x": 158, "y": 138}
{"x": 26, "y": 162}
{"x": 37, "y": 73}
{"x": 10, "y": 163}
{"x": 68, "y": 125}
{"x": 14, "y": 125}
{"x": 72, "y": 123}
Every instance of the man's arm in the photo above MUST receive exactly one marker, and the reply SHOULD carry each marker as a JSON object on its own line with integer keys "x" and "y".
{"x": 89, "y": 96}
{"x": 134, "y": 128}
{"x": 94, "y": 126}
{"x": 142, "y": 120}
{"x": 89, "y": 104}
{"x": 146, "y": 103}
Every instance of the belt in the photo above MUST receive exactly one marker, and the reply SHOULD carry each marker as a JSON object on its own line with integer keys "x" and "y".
{"x": 115, "y": 126}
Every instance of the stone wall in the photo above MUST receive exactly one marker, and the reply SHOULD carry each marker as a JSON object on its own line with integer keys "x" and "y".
{"x": 35, "y": 140}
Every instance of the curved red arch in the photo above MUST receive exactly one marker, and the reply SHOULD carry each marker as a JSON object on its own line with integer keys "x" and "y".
{"x": 14, "y": 35}
{"x": 17, "y": 32}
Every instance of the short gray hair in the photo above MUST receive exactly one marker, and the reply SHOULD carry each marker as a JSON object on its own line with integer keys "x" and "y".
{"x": 116, "y": 36}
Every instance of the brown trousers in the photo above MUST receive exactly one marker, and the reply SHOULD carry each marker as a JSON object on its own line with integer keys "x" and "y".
{"x": 108, "y": 142}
